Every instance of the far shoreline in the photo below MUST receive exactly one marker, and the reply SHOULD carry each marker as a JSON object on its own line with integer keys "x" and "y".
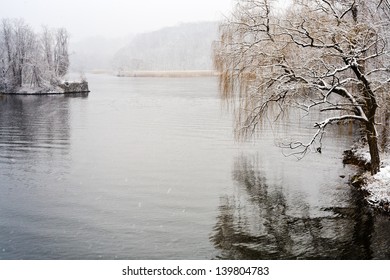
{"x": 158, "y": 73}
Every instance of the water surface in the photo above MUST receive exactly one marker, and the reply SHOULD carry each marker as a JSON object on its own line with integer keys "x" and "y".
{"x": 147, "y": 168}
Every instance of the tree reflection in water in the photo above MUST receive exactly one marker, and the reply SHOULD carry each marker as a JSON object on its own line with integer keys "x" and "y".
{"x": 30, "y": 125}
{"x": 260, "y": 221}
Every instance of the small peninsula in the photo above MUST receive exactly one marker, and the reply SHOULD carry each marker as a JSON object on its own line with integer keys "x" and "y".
{"x": 62, "y": 87}
{"x": 35, "y": 63}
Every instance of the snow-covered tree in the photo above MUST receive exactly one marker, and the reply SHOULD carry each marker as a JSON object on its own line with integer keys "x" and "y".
{"x": 47, "y": 44}
{"x": 30, "y": 59}
{"x": 326, "y": 56}
{"x": 61, "y": 56}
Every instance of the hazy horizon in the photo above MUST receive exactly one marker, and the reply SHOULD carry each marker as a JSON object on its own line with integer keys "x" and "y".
{"x": 99, "y": 29}
{"x": 115, "y": 18}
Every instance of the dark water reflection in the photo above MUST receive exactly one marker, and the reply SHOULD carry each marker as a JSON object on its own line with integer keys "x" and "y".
{"x": 258, "y": 221}
{"x": 32, "y": 126}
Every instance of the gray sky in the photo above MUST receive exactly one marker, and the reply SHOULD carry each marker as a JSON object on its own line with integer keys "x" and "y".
{"x": 112, "y": 18}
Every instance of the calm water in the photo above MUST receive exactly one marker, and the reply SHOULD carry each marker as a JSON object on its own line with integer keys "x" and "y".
{"x": 148, "y": 169}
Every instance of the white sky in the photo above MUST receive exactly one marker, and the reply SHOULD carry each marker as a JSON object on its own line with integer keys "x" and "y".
{"x": 112, "y": 18}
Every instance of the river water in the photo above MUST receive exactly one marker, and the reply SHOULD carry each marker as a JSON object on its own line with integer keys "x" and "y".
{"x": 147, "y": 168}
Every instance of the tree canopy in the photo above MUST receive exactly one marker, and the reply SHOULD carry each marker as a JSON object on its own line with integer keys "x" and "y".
{"x": 31, "y": 59}
{"x": 324, "y": 55}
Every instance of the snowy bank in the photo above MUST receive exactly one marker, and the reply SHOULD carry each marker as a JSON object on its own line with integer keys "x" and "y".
{"x": 65, "y": 87}
{"x": 377, "y": 187}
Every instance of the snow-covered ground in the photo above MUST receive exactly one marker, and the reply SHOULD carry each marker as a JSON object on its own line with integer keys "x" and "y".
{"x": 377, "y": 186}
{"x": 39, "y": 90}
{"x": 62, "y": 87}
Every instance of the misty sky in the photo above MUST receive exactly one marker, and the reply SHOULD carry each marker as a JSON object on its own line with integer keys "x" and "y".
{"x": 112, "y": 18}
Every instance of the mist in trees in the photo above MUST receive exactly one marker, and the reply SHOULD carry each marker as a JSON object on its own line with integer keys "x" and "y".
{"x": 182, "y": 47}
{"x": 95, "y": 53}
{"x": 321, "y": 56}
{"x": 29, "y": 59}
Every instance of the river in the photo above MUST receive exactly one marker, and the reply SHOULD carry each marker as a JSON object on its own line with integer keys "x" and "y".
{"x": 148, "y": 168}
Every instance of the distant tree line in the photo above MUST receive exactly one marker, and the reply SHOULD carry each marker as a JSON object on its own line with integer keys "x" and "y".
{"x": 177, "y": 48}
{"x": 35, "y": 60}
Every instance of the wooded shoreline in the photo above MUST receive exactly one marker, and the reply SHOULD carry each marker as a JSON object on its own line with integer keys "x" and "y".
{"x": 62, "y": 88}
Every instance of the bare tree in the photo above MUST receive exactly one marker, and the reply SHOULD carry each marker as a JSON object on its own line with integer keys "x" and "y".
{"x": 27, "y": 58}
{"x": 47, "y": 44}
{"x": 54, "y": 45}
{"x": 61, "y": 57}
{"x": 23, "y": 51}
{"x": 323, "y": 55}
{"x": 9, "y": 66}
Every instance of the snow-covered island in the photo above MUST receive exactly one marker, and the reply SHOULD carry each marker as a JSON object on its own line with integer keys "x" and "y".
{"x": 35, "y": 63}
{"x": 377, "y": 187}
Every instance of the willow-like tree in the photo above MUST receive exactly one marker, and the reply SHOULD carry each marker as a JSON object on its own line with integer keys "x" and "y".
{"x": 326, "y": 56}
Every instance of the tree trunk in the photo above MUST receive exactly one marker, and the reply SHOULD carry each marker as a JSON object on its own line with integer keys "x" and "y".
{"x": 372, "y": 139}
{"x": 385, "y": 110}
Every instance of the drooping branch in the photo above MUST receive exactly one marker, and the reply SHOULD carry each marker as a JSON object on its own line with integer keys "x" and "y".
{"x": 317, "y": 55}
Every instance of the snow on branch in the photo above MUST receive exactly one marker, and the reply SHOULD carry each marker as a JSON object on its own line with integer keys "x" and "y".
{"x": 325, "y": 56}
{"x": 28, "y": 59}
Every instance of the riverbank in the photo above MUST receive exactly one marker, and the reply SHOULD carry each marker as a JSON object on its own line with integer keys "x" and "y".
{"x": 65, "y": 87}
{"x": 376, "y": 188}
